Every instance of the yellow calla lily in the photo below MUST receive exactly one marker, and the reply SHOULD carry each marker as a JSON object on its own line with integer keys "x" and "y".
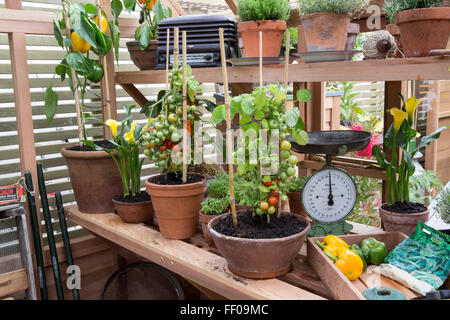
{"x": 113, "y": 124}
{"x": 129, "y": 136}
{"x": 399, "y": 116}
{"x": 411, "y": 105}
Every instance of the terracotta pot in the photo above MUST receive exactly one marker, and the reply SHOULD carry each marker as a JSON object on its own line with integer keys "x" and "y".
{"x": 273, "y": 33}
{"x": 95, "y": 179}
{"x": 204, "y": 220}
{"x": 243, "y": 207}
{"x": 325, "y": 31}
{"x": 403, "y": 222}
{"x": 422, "y": 30}
{"x": 258, "y": 258}
{"x": 295, "y": 203}
{"x": 353, "y": 31}
{"x": 143, "y": 59}
{"x": 177, "y": 207}
{"x": 134, "y": 212}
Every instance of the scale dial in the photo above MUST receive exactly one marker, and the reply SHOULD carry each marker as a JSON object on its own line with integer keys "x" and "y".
{"x": 329, "y": 195}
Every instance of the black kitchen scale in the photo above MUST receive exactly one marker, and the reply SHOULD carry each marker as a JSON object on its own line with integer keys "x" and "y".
{"x": 329, "y": 194}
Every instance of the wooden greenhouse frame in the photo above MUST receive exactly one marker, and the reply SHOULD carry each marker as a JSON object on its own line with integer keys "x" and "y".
{"x": 18, "y": 23}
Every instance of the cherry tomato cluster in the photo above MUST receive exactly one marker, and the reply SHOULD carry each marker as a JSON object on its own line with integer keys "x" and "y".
{"x": 164, "y": 134}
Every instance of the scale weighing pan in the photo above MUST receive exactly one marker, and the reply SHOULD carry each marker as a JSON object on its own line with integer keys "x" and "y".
{"x": 334, "y": 142}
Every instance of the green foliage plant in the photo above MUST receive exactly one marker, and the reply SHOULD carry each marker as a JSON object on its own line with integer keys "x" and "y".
{"x": 350, "y": 111}
{"x": 352, "y": 7}
{"x": 151, "y": 13}
{"x": 296, "y": 184}
{"x": 400, "y": 138}
{"x": 426, "y": 181}
{"x": 392, "y": 7}
{"x": 443, "y": 205}
{"x": 219, "y": 187}
{"x": 88, "y": 72}
{"x": 215, "y": 206}
{"x": 254, "y": 10}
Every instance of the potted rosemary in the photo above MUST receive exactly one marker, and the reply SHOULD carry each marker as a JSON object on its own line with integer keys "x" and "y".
{"x": 267, "y": 16}
{"x": 262, "y": 243}
{"x": 418, "y": 21}
{"x": 143, "y": 49}
{"x": 326, "y": 22}
{"x": 77, "y": 30}
{"x": 400, "y": 214}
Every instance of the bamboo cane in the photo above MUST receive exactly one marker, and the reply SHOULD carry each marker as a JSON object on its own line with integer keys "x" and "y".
{"x": 229, "y": 133}
{"x": 74, "y": 82}
{"x": 176, "y": 46}
{"x": 286, "y": 74}
{"x": 185, "y": 133}
{"x": 260, "y": 60}
{"x": 102, "y": 60}
{"x": 167, "y": 81}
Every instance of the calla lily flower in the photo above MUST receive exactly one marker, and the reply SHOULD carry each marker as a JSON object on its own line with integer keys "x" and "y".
{"x": 399, "y": 116}
{"x": 113, "y": 124}
{"x": 129, "y": 136}
{"x": 411, "y": 105}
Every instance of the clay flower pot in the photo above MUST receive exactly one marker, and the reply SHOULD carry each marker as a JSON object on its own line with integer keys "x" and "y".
{"x": 403, "y": 222}
{"x": 258, "y": 258}
{"x": 134, "y": 212}
{"x": 177, "y": 207}
{"x": 295, "y": 204}
{"x": 273, "y": 33}
{"x": 326, "y": 31}
{"x": 204, "y": 219}
{"x": 422, "y": 30}
{"x": 143, "y": 59}
{"x": 95, "y": 179}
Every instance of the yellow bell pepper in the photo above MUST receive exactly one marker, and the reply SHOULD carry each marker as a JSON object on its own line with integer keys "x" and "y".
{"x": 349, "y": 263}
{"x": 334, "y": 241}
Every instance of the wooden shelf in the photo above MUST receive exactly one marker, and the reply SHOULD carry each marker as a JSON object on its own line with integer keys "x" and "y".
{"x": 428, "y": 68}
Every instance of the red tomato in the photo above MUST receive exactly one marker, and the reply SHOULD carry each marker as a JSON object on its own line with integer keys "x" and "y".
{"x": 163, "y": 148}
{"x": 274, "y": 193}
{"x": 273, "y": 201}
{"x": 268, "y": 183}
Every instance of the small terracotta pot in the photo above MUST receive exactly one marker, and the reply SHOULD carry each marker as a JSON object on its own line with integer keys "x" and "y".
{"x": 273, "y": 33}
{"x": 143, "y": 59}
{"x": 326, "y": 31}
{"x": 403, "y": 222}
{"x": 95, "y": 179}
{"x": 295, "y": 203}
{"x": 422, "y": 30}
{"x": 258, "y": 258}
{"x": 204, "y": 219}
{"x": 134, "y": 212}
{"x": 177, "y": 207}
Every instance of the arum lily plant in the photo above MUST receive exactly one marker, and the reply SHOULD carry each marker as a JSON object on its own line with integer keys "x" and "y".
{"x": 401, "y": 138}
{"x": 126, "y": 141}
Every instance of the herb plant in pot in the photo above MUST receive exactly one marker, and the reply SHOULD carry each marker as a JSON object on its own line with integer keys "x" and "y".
{"x": 143, "y": 49}
{"x": 211, "y": 208}
{"x": 399, "y": 214}
{"x": 133, "y": 205}
{"x": 424, "y": 25}
{"x": 295, "y": 187}
{"x": 267, "y": 16}
{"x": 262, "y": 243}
{"x": 176, "y": 202}
{"x": 92, "y": 173}
{"x": 326, "y": 22}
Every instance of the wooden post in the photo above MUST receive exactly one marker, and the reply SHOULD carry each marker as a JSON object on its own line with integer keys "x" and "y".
{"x": 74, "y": 81}
{"x": 176, "y": 46}
{"x": 260, "y": 60}
{"x": 185, "y": 133}
{"x": 24, "y": 119}
{"x": 229, "y": 133}
{"x": 432, "y": 125}
{"x": 167, "y": 61}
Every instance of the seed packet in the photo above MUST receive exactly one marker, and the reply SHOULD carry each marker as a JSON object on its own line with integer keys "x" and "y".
{"x": 421, "y": 262}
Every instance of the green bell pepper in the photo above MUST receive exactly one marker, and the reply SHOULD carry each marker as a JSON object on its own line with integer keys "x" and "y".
{"x": 374, "y": 251}
{"x": 356, "y": 249}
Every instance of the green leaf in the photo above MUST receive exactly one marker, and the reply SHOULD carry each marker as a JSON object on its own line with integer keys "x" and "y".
{"x": 51, "y": 103}
{"x": 247, "y": 105}
{"x": 80, "y": 63}
{"x": 218, "y": 115}
{"x": 90, "y": 8}
{"x": 158, "y": 12}
{"x": 263, "y": 189}
{"x": 409, "y": 162}
{"x": 82, "y": 25}
{"x": 116, "y": 8}
{"x": 144, "y": 36}
{"x": 57, "y": 32}
{"x": 425, "y": 141}
{"x": 292, "y": 117}
{"x": 259, "y": 114}
{"x": 260, "y": 100}
{"x": 304, "y": 95}
{"x": 380, "y": 156}
{"x": 129, "y": 5}
{"x": 300, "y": 124}
{"x": 115, "y": 38}
{"x": 300, "y": 137}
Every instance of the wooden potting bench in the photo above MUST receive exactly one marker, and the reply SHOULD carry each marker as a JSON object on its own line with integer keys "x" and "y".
{"x": 201, "y": 264}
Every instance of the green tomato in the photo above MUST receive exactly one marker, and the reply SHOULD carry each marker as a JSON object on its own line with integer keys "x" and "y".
{"x": 155, "y": 158}
{"x": 172, "y": 129}
{"x": 275, "y": 114}
{"x": 162, "y": 117}
{"x": 285, "y": 154}
{"x": 271, "y": 210}
{"x": 284, "y": 165}
{"x": 171, "y": 99}
{"x": 293, "y": 160}
{"x": 283, "y": 176}
{"x": 285, "y": 145}
{"x": 147, "y": 137}
{"x": 162, "y": 163}
{"x": 282, "y": 135}
{"x": 158, "y": 126}
{"x": 283, "y": 127}
{"x": 190, "y": 117}
{"x": 273, "y": 124}
{"x": 172, "y": 118}
{"x": 172, "y": 107}
{"x": 175, "y": 137}
{"x": 147, "y": 153}
{"x": 160, "y": 135}
{"x": 284, "y": 197}
{"x": 180, "y": 111}
{"x": 192, "y": 109}
{"x": 259, "y": 211}
{"x": 290, "y": 171}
